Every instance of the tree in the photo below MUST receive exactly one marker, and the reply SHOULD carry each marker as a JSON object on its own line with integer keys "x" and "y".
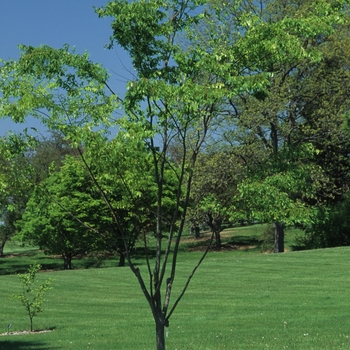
{"x": 64, "y": 213}
{"x": 214, "y": 190}
{"x": 30, "y": 297}
{"x": 15, "y": 184}
{"x": 175, "y": 96}
{"x": 25, "y": 162}
{"x": 299, "y": 99}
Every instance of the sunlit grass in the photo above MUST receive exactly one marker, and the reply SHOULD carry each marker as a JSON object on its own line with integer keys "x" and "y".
{"x": 295, "y": 300}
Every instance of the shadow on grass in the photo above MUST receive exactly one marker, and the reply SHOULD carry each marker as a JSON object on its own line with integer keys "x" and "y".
{"x": 246, "y": 241}
{"x": 6, "y": 343}
{"x": 242, "y": 243}
{"x": 19, "y": 263}
{"x": 140, "y": 253}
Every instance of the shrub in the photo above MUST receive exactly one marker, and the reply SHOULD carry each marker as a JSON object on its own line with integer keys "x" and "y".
{"x": 30, "y": 297}
{"x": 330, "y": 229}
{"x": 267, "y": 239}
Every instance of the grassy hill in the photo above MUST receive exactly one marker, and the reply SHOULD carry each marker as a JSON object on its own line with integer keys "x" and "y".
{"x": 239, "y": 299}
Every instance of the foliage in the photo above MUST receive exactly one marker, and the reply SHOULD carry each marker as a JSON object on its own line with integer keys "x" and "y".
{"x": 15, "y": 183}
{"x": 25, "y": 161}
{"x": 287, "y": 124}
{"x": 65, "y": 214}
{"x": 32, "y": 297}
{"x": 267, "y": 239}
{"x": 54, "y": 85}
{"x": 330, "y": 229}
{"x": 281, "y": 187}
{"x": 214, "y": 189}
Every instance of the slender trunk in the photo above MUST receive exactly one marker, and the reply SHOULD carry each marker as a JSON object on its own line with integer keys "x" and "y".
{"x": 279, "y": 237}
{"x": 67, "y": 261}
{"x": 197, "y": 232}
{"x": 121, "y": 258}
{"x": 217, "y": 239}
{"x": 214, "y": 223}
{"x": 2, "y": 245}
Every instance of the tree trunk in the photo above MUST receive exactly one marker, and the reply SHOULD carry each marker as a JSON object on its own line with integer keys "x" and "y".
{"x": 160, "y": 338}
{"x": 215, "y": 226}
{"x": 121, "y": 258}
{"x": 197, "y": 232}
{"x": 2, "y": 245}
{"x": 31, "y": 322}
{"x": 217, "y": 239}
{"x": 67, "y": 261}
{"x": 279, "y": 237}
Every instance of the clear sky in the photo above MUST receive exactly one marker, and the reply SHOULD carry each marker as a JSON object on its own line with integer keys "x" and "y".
{"x": 55, "y": 23}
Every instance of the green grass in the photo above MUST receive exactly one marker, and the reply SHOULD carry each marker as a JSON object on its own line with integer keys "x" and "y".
{"x": 19, "y": 257}
{"x": 237, "y": 300}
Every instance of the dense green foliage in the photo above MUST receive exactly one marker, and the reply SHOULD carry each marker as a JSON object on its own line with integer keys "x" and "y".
{"x": 331, "y": 229}
{"x": 64, "y": 215}
{"x": 25, "y": 162}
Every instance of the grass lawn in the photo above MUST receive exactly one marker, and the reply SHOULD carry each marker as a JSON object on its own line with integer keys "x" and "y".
{"x": 238, "y": 299}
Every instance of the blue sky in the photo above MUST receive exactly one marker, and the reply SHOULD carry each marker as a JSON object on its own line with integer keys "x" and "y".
{"x": 55, "y": 23}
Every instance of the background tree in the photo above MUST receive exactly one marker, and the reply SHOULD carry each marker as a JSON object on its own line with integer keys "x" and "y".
{"x": 25, "y": 162}
{"x": 64, "y": 214}
{"x": 298, "y": 96}
{"x": 15, "y": 184}
{"x": 214, "y": 190}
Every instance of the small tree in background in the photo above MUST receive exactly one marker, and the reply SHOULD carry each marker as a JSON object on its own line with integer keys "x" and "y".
{"x": 32, "y": 298}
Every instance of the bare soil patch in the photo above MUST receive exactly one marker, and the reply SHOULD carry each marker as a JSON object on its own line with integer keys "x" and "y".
{"x": 27, "y": 332}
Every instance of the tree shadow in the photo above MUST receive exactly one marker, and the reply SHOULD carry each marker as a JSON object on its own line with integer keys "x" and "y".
{"x": 242, "y": 243}
{"x": 14, "y": 265}
{"x": 24, "y": 345}
{"x": 140, "y": 253}
{"x": 54, "y": 265}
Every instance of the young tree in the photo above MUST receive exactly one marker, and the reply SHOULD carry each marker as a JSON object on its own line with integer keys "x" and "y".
{"x": 32, "y": 298}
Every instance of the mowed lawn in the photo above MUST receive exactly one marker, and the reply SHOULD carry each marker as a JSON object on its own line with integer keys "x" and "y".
{"x": 294, "y": 300}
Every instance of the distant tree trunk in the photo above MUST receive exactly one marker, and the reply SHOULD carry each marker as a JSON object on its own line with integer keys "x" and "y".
{"x": 197, "y": 232}
{"x": 2, "y": 245}
{"x": 67, "y": 261}
{"x": 279, "y": 237}
{"x": 218, "y": 238}
{"x": 121, "y": 258}
{"x": 215, "y": 226}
